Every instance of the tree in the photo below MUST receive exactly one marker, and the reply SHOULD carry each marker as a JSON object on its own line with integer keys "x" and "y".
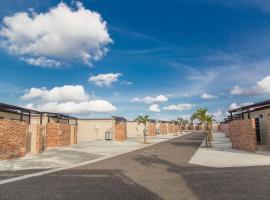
{"x": 143, "y": 120}
{"x": 204, "y": 118}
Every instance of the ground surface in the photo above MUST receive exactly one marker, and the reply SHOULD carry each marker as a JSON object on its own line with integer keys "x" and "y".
{"x": 222, "y": 155}
{"x": 158, "y": 172}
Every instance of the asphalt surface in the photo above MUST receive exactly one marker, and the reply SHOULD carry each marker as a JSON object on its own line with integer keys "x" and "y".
{"x": 157, "y": 172}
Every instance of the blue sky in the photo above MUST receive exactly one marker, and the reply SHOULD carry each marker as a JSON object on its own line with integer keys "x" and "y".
{"x": 179, "y": 49}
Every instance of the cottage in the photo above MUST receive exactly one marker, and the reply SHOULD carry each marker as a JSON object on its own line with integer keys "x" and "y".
{"x": 114, "y": 128}
{"x": 248, "y": 126}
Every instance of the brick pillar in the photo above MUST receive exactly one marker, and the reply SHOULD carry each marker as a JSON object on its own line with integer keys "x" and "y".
{"x": 120, "y": 131}
{"x": 12, "y": 139}
{"x": 243, "y": 134}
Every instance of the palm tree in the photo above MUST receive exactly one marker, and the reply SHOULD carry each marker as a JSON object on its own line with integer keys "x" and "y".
{"x": 204, "y": 118}
{"x": 143, "y": 120}
{"x": 180, "y": 121}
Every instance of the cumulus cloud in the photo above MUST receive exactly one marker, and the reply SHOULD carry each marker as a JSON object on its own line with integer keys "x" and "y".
{"x": 64, "y": 93}
{"x": 261, "y": 87}
{"x": 149, "y": 100}
{"x": 208, "y": 96}
{"x": 71, "y": 107}
{"x": 219, "y": 114}
{"x": 62, "y": 33}
{"x": 102, "y": 80}
{"x": 179, "y": 107}
{"x": 237, "y": 105}
{"x": 154, "y": 108}
{"x": 67, "y": 99}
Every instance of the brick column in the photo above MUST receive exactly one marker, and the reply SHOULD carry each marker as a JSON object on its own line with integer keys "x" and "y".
{"x": 243, "y": 134}
{"x": 12, "y": 139}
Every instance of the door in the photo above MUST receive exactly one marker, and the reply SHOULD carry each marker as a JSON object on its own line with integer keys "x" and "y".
{"x": 258, "y": 131}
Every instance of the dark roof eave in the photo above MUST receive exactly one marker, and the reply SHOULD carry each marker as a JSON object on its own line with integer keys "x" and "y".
{"x": 260, "y": 104}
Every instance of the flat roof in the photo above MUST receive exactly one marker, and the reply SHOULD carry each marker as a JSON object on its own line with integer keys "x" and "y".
{"x": 112, "y": 118}
{"x": 95, "y": 118}
{"x": 12, "y": 108}
{"x": 20, "y": 110}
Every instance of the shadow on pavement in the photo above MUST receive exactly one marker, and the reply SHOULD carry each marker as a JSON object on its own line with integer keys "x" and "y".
{"x": 216, "y": 183}
{"x": 78, "y": 185}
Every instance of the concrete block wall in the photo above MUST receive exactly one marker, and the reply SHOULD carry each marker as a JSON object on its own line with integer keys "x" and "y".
{"x": 120, "y": 131}
{"x": 243, "y": 134}
{"x": 12, "y": 139}
{"x": 74, "y": 132}
{"x": 40, "y": 141}
{"x": 37, "y": 132}
{"x": 58, "y": 134}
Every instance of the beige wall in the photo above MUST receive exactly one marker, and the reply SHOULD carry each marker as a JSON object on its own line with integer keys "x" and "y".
{"x": 134, "y": 129}
{"x": 94, "y": 129}
{"x": 158, "y": 127}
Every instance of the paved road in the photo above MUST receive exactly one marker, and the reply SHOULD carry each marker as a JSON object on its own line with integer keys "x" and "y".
{"x": 157, "y": 172}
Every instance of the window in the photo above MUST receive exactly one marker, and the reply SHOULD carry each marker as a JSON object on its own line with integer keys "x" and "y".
{"x": 269, "y": 116}
{"x": 261, "y": 116}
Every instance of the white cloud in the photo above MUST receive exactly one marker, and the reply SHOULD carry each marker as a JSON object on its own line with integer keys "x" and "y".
{"x": 154, "y": 108}
{"x": 126, "y": 82}
{"x": 261, "y": 87}
{"x": 64, "y": 93}
{"x": 62, "y": 33}
{"x": 67, "y": 99}
{"x": 219, "y": 114}
{"x": 208, "y": 96}
{"x": 149, "y": 100}
{"x": 179, "y": 107}
{"x": 71, "y": 107}
{"x": 102, "y": 80}
{"x": 42, "y": 62}
{"x": 237, "y": 105}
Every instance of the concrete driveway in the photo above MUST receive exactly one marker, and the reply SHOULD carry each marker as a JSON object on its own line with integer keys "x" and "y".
{"x": 56, "y": 159}
{"x": 158, "y": 172}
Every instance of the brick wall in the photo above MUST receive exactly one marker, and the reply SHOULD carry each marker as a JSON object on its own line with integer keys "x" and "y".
{"x": 58, "y": 134}
{"x": 243, "y": 135}
{"x": 171, "y": 128}
{"x": 183, "y": 127}
{"x": 225, "y": 129}
{"x": 12, "y": 139}
{"x": 120, "y": 131}
{"x": 163, "y": 128}
{"x": 152, "y": 129}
